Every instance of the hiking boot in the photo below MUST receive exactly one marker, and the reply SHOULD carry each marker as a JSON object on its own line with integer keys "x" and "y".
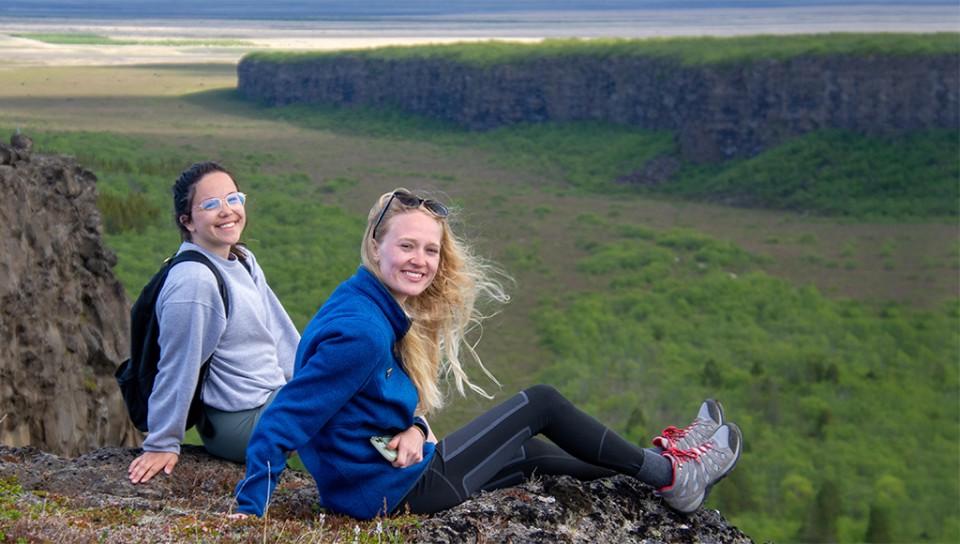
{"x": 697, "y": 469}
{"x": 708, "y": 419}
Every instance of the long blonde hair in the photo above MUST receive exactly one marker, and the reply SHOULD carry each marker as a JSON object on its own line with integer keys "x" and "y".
{"x": 445, "y": 312}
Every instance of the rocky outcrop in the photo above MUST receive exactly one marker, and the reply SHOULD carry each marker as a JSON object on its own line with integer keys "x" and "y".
{"x": 63, "y": 315}
{"x": 718, "y": 111}
{"x": 550, "y": 509}
{"x": 563, "y": 509}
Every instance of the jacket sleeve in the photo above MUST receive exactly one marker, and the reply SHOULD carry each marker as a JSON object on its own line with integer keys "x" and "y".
{"x": 192, "y": 320}
{"x": 336, "y": 364}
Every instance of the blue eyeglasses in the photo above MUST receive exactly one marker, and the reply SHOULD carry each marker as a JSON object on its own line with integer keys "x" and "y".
{"x": 412, "y": 201}
{"x": 234, "y": 200}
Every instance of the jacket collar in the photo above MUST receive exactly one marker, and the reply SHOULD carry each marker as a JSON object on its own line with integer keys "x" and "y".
{"x": 371, "y": 287}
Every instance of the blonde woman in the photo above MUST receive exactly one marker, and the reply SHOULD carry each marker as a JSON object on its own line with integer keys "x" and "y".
{"x": 368, "y": 368}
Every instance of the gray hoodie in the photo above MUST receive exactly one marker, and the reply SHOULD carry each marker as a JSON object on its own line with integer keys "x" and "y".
{"x": 253, "y": 350}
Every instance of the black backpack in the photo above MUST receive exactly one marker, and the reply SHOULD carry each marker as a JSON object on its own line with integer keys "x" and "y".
{"x": 137, "y": 374}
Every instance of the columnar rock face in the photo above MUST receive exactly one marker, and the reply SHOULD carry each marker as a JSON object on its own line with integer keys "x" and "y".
{"x": 63, "y": 315}
{"x": 718, "y": 111}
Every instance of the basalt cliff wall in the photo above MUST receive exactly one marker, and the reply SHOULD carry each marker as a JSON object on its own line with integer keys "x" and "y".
{"x": 63, "y": 314}
{"x": 718, "y": 111}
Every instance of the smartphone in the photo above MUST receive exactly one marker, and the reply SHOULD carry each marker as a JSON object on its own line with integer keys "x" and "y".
{"x": 380, "y": 442}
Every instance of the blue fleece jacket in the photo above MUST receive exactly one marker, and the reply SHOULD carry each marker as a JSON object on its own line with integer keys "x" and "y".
{"x": 348, "y": 385}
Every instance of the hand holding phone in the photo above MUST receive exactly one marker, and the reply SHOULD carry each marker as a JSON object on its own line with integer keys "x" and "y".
{"x": 382, "y": 445}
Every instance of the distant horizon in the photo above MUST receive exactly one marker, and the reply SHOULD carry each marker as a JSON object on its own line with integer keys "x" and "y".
{"x": 328, "y": 25}
{"x": 334, "y": 10}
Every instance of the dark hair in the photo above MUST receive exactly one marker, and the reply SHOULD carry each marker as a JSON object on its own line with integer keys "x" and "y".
{"x": 184, "y": 189}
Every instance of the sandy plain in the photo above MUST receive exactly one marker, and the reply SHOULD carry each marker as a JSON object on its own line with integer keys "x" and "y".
{"x": 353, "y": 34}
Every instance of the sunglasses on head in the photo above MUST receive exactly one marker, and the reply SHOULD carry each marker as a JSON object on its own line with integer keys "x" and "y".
{"x": 234, "y": 200}
{"x": 411, "y": 201}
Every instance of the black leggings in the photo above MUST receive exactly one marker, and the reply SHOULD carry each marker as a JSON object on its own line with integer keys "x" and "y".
{"x": 498, "y": 449}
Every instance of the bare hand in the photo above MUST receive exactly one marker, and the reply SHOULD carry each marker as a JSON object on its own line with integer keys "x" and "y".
{"x": 149, "y": 464}
{"x": 409, "y": 446}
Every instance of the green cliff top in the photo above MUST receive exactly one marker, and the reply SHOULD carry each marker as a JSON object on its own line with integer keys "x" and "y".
{"x": 688, "y": 50}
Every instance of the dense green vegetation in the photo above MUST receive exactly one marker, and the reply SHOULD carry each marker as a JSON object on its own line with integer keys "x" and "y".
{"x": 83, "y": 38}
{"x": 829, "y": 393}
{"x": 840, "y": 402}
{"x": 838, "y": 173}
{"x": 687, "y": 50}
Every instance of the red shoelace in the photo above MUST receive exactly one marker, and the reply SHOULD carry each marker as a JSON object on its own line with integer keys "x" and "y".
{"x": 692, "y": 454}
{"x": 669, "y": 436}
{"x": 679, "y": 457}
{"x": 674, "y": 433}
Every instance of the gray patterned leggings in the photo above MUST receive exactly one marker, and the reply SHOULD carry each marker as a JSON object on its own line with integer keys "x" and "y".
{"x": 498, "y": 449}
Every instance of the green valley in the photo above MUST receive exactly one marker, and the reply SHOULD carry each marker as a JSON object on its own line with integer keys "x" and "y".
{"x": 812, "y": 288}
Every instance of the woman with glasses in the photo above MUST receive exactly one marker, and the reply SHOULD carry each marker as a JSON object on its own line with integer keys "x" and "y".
{"x": 251, "y": 347}
{"x": 367, "y": 370}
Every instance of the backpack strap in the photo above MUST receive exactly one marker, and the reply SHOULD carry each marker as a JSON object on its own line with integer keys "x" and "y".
{"x": 196, "y": 406}
{"x": 197, "y": 257}
{"x": 241, "y": 256}
{"x": 136, "y": 375}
